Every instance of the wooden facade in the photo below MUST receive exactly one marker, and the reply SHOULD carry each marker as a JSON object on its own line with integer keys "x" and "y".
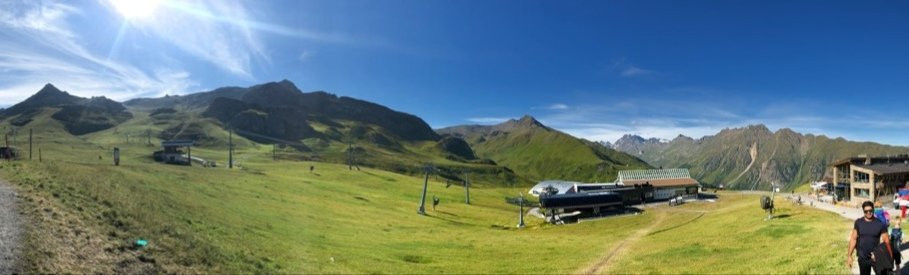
{"x": 866, "y": 178}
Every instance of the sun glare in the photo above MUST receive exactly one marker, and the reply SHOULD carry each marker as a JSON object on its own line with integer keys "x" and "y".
{"x": 135, "y": 9}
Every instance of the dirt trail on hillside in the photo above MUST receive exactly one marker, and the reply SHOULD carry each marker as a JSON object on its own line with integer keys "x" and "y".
{"x": 10, "y": 230}
{"x": 765, "y": 163}
{"x": 753, "y": 152}
{"x": 604, "y": 263}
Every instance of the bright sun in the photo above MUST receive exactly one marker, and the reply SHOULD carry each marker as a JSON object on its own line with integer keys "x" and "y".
{"x": 135, "y": 9}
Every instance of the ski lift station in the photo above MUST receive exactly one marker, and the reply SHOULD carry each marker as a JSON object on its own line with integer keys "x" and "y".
{"x": 630, "y": 188}
{"x": 172, "y": 153}
{"x": 666, "y": 183}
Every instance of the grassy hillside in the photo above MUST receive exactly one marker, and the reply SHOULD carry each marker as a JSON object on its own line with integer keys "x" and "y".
{"x": 539, "y": 153}
{"x": 731, "y": 237}
{"x": 310, "y": 126}
{"x": 276, "y": 216}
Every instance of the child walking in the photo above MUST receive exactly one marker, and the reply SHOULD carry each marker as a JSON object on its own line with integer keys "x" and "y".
{"x": 896, "y": 238}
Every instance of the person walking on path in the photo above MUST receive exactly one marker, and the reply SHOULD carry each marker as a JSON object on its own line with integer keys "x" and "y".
{"x": 903, "y": 204}
{"x": 867, "y": 234}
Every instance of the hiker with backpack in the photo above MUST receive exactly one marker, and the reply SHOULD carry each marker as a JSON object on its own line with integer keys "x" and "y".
{"x": 868, "y": 233}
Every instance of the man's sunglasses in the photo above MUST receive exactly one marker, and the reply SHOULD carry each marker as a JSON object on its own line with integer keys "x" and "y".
{"x": 868, "y": 211}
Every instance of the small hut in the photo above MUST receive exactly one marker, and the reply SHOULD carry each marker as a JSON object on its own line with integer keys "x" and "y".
{"x": 172, "y": 153}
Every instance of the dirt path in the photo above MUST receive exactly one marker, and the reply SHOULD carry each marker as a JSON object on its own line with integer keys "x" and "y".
{"x": 10, "y": 230}
{"x": 604, "y": 263}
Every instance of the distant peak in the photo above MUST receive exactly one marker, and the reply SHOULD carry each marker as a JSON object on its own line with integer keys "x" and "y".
{"x": 681, "y": 137}
{"x": 528, "y": 120}
{"x": 632, "y": 137}
{"x": 786, "y": 131}
{"x": 49, "y": 88}
{"x": 759, "y": 127}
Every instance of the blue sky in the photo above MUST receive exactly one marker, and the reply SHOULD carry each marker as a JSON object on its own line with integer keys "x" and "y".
{"x": 595, "y": 69}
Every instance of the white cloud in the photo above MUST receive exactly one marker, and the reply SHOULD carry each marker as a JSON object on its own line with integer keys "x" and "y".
{"x": 488, "y": 120}
{"x": 41, "y": 48}
{"x": 304, "y": 56}
{"x": 192, "y": 27}
{"x": 628, "y": 69}
{"x": 557, "y": 107}
{"x": 632, "y": 71}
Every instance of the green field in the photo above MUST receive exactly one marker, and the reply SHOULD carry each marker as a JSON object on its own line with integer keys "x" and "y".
{"x": 275, "y": 216}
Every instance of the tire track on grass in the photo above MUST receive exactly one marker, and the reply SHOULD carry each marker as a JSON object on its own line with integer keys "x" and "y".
{"x": 603, "y": 264}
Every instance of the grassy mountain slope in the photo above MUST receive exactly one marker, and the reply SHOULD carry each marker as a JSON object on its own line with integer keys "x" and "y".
{"x": 539, "y": 152}
{"x": 300, "y": 126}
{"x": 783, "y": 156}
{"x": 277, "y": 217}
{"x": 79, "y": 115}
{"x": 196, "y": 101}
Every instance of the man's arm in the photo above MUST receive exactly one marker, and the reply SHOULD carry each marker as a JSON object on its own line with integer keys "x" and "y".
{"x": 852, "y": 239}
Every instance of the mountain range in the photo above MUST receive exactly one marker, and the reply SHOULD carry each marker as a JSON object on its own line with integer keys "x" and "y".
{"x": 751, "y": 157}
{"x": 304, "y": 125}
{"x": 323, "y": 126}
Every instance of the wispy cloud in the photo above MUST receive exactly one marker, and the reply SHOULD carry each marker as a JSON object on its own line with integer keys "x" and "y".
{"x": 553, "y": 107}
{"x": 304, "y": 56}
{"x": 557, "y": 107}
{"x": 633, "y": 71}
{"x": 488, "y": 120}
{"x": 628, "y": 69}
{"x": 39, "y": 46}
{"x": 668, "y": 118}
{"x": 230, "y": 44}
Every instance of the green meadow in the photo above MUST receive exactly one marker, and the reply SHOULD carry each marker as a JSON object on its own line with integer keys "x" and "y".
{"x": 275, "y": 216}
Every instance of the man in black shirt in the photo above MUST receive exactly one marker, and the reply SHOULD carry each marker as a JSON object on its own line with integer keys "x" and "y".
{"x": 867, "y": 233}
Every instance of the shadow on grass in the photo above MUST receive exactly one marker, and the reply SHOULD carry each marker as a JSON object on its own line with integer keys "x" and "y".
{"x": 705, "y": 196}
{"x": 677, "y": 226}
{"x": 446, "y": 219}
{"x": 784, "y": 216}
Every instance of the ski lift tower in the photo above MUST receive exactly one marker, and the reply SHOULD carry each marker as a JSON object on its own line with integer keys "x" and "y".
{"x": 422, "y": 210}
{"x": 521, "y": 214}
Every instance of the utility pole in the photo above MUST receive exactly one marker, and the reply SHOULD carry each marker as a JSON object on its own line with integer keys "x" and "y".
{"x": 467, "y": 190}
{"x": 521, "y": 215}
{"x": 230, "y": 149}
{"x": 29, "y": 144}
{"x": 422, "y": 209}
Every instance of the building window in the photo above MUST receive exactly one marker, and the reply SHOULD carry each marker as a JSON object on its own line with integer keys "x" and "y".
{"x": 861, "y": 193}
{"x": 860, "y": 177}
